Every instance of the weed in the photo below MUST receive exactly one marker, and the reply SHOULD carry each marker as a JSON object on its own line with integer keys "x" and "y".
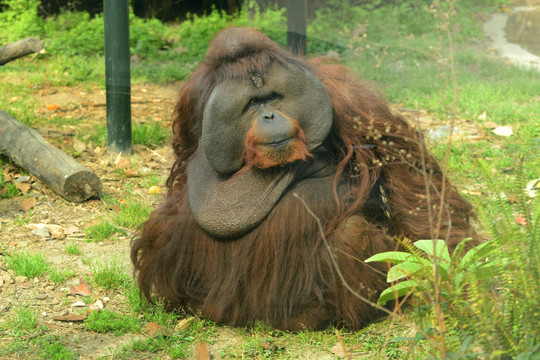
{"x": 59, "y": 276}
{"x": 56, "y": 351}
{"x": 23, "y": 220}
{"x": 27, "y": 265}
{"x": 109, "y": 275}
{"x": 150, "y": 135}
{"x": 100, "y": 231}
{"x": 107, "y": 321}
{"x": 7, "y": 188}
{"x": 24, "y": 318}
{"x": 73, "y": 249}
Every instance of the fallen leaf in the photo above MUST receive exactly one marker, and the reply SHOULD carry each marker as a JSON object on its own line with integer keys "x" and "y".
{"x": 24, "y": 187}
{"x": 51, "y": 107}
{"x": 153, "y": 330}
{"x": 130, "y": 172}
{"x": 26, "y": 204}
{"x": 202, "y": 352}
{"x": 482, "y": 116}
{"x": 83, "y": 289}
{"x": 503, "y": 131}
{"x": 70, "y": 318}
{"x": 521, "y": 220}
{"x": 155, "y": 190}
{"x": 183, "y": 324}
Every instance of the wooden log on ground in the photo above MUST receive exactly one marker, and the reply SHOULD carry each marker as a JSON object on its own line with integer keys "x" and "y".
{"x": 28, "y": 149}
{"x": 19, "y": 49}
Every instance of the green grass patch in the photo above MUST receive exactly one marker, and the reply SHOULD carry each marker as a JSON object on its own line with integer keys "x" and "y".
{"x": 105, "y": 321}
{"x": 127, "y": 215}
{"x": 25, "y": 264}
{"x": 59, "y": 276}
{"x": 109, "y": 275}
{"x": 100, "y": 231}
{"x": 73, "y": 249}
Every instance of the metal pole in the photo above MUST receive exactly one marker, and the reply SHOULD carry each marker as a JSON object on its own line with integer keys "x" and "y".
{"x": 296, "y": 26}
{"x": 117, "y": 74}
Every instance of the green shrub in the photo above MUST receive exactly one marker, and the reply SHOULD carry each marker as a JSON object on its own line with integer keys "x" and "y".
{"x": 483, "y": 302}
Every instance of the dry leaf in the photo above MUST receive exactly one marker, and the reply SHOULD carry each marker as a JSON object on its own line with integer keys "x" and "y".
{"x": 153, "y": 330}
{"x": 24, "y": 187}
{"x": 521, "y": 220}
{"x": 26, "y": 204}
{"x": 202, "y": 352}
{"x": 51, "y": 107}
{"x": 183, "y": 324}
{"x": 83, "y": 289}
{"x": 155, "y": 190}
{"x": 130, "y": 172}
{"x": 503, "y": 131}
{"x": 70, "y": 318}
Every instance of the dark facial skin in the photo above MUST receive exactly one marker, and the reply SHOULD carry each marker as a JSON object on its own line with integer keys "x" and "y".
{"x": 269, "y": 104}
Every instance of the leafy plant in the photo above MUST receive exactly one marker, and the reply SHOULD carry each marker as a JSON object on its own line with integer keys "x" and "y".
{"x": 433, "y": 257}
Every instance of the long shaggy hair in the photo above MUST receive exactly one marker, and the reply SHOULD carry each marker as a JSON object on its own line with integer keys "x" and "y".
{"x": 386, "y": 187}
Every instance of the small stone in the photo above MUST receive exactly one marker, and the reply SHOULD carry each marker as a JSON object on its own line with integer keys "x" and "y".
{"x": 36, "y": 280}
{"x": 20, "y": 279}
{"x": 78, "y": 304}
{"x": 106, "y": 299}
{"x": 44, "y": 314}
{"x": 41, "y": 296}
{"x": 42, "y": 232}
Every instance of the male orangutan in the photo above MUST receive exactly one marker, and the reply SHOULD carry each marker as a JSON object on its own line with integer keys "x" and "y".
{"x": 261, "y": 139}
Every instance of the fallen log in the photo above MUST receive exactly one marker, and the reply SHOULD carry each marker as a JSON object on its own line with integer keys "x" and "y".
{"x": 19, "y": 49}
{"x": 28, "y": 149}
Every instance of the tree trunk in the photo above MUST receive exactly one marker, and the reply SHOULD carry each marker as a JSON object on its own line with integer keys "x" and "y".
{"x": 28, "y": 149}
{"x": 19, "y": 49}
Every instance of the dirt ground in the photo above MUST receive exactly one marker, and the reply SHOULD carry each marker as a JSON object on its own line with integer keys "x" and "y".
{"x": 149, "y": 103}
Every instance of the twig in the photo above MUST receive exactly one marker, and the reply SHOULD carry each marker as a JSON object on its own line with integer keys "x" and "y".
{"x": 334, "y": 262}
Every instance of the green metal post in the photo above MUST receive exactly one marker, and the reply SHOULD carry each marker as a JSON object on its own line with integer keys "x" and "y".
{"x": 117, "y": 74}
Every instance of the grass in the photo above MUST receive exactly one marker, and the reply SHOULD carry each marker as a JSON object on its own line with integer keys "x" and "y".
{"x": 109, "y": 275}
{"x": 409, "y": 62}
{"x": 25, "y": 264}
{"x": 107, "y": 321}
{"x": 127, "y": 215}
{"x": 59, "y": 276}
{"x": 73, "y": 249}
